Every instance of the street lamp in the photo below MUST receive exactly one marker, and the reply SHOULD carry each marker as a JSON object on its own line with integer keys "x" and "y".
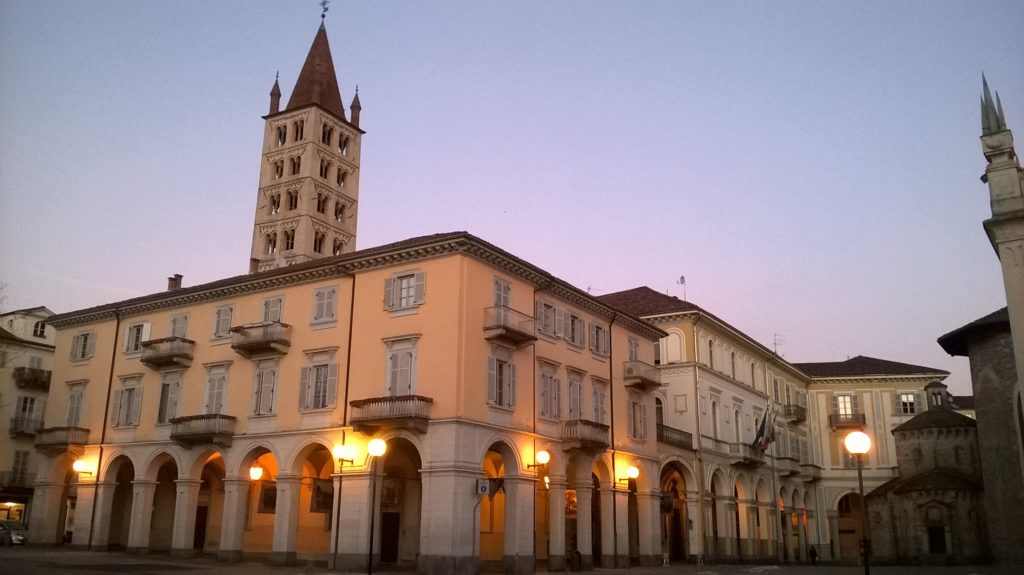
{"x": 858, "y": 444}
{"x": 343, "y": 454}
{"x": 375, "y": 449}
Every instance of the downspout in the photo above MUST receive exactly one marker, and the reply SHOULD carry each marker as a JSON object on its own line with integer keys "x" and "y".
{"x": 700, "y": 440}
{"x": 348, "y": 355}
{"x": 615, "y": 476}
{"x": 103, "y": 428}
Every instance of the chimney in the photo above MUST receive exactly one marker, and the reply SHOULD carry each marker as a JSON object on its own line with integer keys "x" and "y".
{"x": 174, "y": 282}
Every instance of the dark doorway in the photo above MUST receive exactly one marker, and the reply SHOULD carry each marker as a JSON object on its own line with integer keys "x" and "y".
{"x": 595, "y": 521}
{"x": 390, "y": 525}
{"x": 936, "y": 539}
{"x": 678, "y": 549}
{"x": 200, "y": 535}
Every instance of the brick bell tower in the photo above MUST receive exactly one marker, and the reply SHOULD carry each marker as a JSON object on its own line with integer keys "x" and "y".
{"x": 308, "y": 198}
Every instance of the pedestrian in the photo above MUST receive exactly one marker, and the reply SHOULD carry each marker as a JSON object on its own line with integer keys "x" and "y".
{"x": 813, "y": 554}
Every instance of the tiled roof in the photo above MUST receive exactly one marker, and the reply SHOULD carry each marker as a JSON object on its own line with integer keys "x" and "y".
{"x": 938, "y": 480}
{"x": 955, "y": 342}
{"x": 963, "y": 401}
{"x": 936, "y": 418}
{"x": 863, "y": 366}
{"x": 643, "y": 301}
{"x": 317, "y": 83}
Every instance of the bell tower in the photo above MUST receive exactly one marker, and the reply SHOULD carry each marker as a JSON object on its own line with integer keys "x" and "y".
{"x": 308, "y": 197}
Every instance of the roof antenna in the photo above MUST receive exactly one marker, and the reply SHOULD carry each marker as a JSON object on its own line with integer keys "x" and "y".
{"x": 323, "y": 4}
{"x": 682, "y": 281}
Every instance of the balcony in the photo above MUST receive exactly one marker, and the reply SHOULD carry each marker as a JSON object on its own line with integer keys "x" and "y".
{"x": 506, "y": 325}
{"x": 677, "y": 437}
{"x": 32, "y": 378}
{"x": 57, "y": 440}
{"x": 16, "y": 479}
{"x": 794, "y": 413}
{"x": 205, "y": 429}
{"x": 809, "y": 472}
{"x": 745, "y": 455}
{"x": 24, "y": 425}
{"x": 409, "y": 412}
{"x": 587, "y": 436}
{"x": 167, "y": 352}
{"x": 252, "y": 339}
{"x": 640, "y": 376}
{"x": 786, "y": 466}
{"x": 843, "y": 420}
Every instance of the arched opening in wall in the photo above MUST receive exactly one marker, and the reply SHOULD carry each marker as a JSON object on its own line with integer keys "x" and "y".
{"x": 848, "y": 526}
{"x": 312, "y": 505}
{"x": 674, "y": 520}
{"x": 342, "y": 177}
{"x": 401, "y": 500}
{"x": 713, "y": 539}
{"x": 343, "y": 145}
{"x": 209, "y": 506}
{"x": 261, "y": 502}
{"x": 493, "y": 525}
{"x": 161, "y": 526}
{"x": 339, "y": 211}
{"x": 60, "y": 528}
{"x": 121, "y": 472}
{"x": 672, "y": 351}
{"x": 937, "y": 530}
{"x": 337, "y": 247}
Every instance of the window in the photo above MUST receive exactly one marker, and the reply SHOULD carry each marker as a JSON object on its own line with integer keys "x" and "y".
{"x": 600, "y": 399}
{"x": 20, "y": 469}
{"x": 907, "y": 403}
{"x": 753, "y": 375}
{"x": 843, "y": 405}
{"x": 636, "y": 415}
{"x": 222, "y": 321}
{"x": 319, "y": 384}
{"x": 732, "y": 364}
{"x": 169, "y": 388}
{"x": 75, "y": 394}
{"x": 27, "y": 412}
{"x": 338, "y": 247}
{"x": 296, "y": 165}
{"x": 83, "y": 346}
{"x": 127, "y": 403}
{"x": 299, "y": 127}
{"x": 789, "y": 395}
{"x": 271, "y": 243}
{"x": 321, "y": 203}
{"x": 278, "y": 172}
{"x": 775, "y": 389}
{"x": 343, "y": 145}
{"x": 216, "y": 382}
{"x": 549, "y": 319}
{"x": 634, "y": 349}
{"x": 39, "y": 329}
{"x": 550, "y": 392}
{"x": 272, "y": 310}
{"x": 501, "y": 379}
{"x": 325, "y": 167}
{"x": 714, "y": 419}
{"x": 339, "y": 211}
{"x": 293, "y": 200}
{"x": 179, "y": 325}
{"x": 35, "y": 362}
{"x": 598, "y": 339}
{"x": 502, "y": 293}
{"x": 736, "y": 424}
{"x": 711, "y": 353}
{"x": 264, "y": 388}
{"x": 324, "y": 304}
{"x": 575, "y": 395}
{"x": 404, "y": 291}
{"x": 575, "y": 330}
{"x": 289, "y": 240}
{"x": 401, "y": 367}
{"x": 342, "y": 178}
{"x": 319, "y": 238}
{"x": 282, "y": 132}
{"x": 326, "y": 134}
{"x": 657, "y": 352}
{"x": 134, "y": 335}
{"x": 275, "y": 203}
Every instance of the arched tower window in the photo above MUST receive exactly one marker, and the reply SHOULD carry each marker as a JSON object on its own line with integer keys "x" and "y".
{"x": 275, "y": 204}
{"x": 326, "y": 134}
{"x": 338, "y": 247}
{"x": 318, "y": 242}
{"x": 342, "y": 177}
{"x": 293, "y": 200}
{"x": 321, "y": 203}
{"x": 282, "y": 135}
{"x": 289, "y": 240}
{"x": 296, "y": 164}
{"x": 279, "y": 169}
{"x": 343, "y": 145}
{"x": 271, "y": 243}
{"x": 339, "y": 211}
{"x": 299, "y": 127}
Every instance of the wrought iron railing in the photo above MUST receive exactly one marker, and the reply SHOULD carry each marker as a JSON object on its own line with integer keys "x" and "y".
{"x": 673, "y": 436}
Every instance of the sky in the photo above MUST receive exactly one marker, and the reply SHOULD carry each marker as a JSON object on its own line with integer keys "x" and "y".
{"x": 811, "y": 167}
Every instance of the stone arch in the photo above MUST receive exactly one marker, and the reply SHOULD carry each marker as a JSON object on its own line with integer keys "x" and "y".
{"x": 511, "y": 457}
{"x": 674, "y": 347}
{"x": 501, "y": 518}
{"x": 241, "y": 459}
{"x": 121, "y": 472}
{"x": 194, "y": 463}
{"x": 401, "y": 502}
{"x": 155, "y": 461}
{"x": 112, "y": 465}
{"x": 675, "y": 482}
{"x": 294, "y": 460}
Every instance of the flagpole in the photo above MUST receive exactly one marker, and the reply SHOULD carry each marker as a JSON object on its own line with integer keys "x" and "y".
{"x": 775, "y": 491}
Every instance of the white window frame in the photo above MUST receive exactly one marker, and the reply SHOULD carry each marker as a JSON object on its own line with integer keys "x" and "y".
{"x": 265, "y": 388}
{"x": 575, "y": 386}
{"x": 405, "y": 290}
{"x": 550, "y": 392}
{"x": 636, "y": 418}
{"x": 223, "y": 316}
{"x": 76, "y": 394}
{"x": 907, "y": 403}
{"x": 550, "y": 319}
{"x": 325, "y": 304}
{"x": 127, "y": 402}
{"x": 634, "y": 349}
{"x": 318, "y": 389}
{"x": 170, "y": 391}
{"x": 273, "y": 309}
{"x": 216, "y": 388}
{"x": 502, "y": 293}
{"x": 400, "y": 367}
{"x": 134, "y": 335}
{"x": 35, "y": 362}
{"x": 501, "y": 379}
{"x": 599, "y": 339}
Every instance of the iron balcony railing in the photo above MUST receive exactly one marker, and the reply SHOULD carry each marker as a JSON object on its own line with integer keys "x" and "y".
{"x": 501, "y": 322}
{"x": 745, "y": 451}
{"x": 585, "y": 431}
{"x": 641, "y": 375}
{"x": 794, "y": 412}
{"x": 167, "y": 351}
{"x": 846, "y": 420}
{"x": 16, "y": 479}
{"x": 25, "y": 425}
{"x": 32, "y": 378}
{"x": 272, "y": 336}
{"x": 673, "y": 436}
{"x": 394, "y": 407}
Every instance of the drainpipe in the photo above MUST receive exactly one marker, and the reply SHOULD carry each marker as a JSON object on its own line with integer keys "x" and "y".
{"x": 615, "y": 476}
{"x": 348, "y": 354}
{"x": 103, "y": 428}
{"x": 698, "y": 450}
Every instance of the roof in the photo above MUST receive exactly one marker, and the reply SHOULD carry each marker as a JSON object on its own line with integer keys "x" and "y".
{"x": 317, "y": 83}
{"x": 10, "y": 337}
{"x": 29, "y": 311}
{"x": 955, "y": 342}
{"x": 936, "y": 419}
{"x": 962, "y": 401}
{"x": 939, "y": 479}
{"x": 643, "y": 301}
{"x": 862, "y": 366}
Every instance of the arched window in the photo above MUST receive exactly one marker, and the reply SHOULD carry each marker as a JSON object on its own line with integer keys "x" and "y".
{"x": 282, "y": 134}
{"x": 275, "y": 203}
{"x": 326, "y": 134}
{"x": 271, "y": 243}
{"x": 296, "y": 164}
{"x": 293, "y": 200}
{"x": 289, "y": 240}
{"x": 338, "y": 247}
{"x": 279, "y": 169}
{"x": 711, "y": 353}
{"x": 324, "y": 166}
{"x": 343, "y": 145}
{"x": 732, "y": 363}
{"x": 318, "y": 242}
{"x": 299, "y": 126}
{"x": 342, "y": 177}
{"x": 321, "y": 203}
{"x": 339, "y": 211}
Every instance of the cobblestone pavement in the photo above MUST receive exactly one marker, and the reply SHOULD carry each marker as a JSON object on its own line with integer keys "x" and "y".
{"x": 56, "y": 561}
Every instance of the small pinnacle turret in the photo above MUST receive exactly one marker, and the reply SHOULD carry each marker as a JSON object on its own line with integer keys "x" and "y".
{"x": 992, "y": 119}
{"x": 275, "y": 97}
{"x": 356, "y": 107}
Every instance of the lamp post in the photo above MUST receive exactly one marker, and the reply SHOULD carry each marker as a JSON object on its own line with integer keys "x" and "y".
{"x": 858, "y": 444}
{"x": 375, "y": 449}
{"x": 343, "y": 454}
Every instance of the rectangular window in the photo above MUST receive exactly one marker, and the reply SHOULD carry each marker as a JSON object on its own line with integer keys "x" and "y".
{"x": 39, "y": 329}
{"x": 575, "y": 395}
{"x": 634, "y": 349}
{"x": 75, "y": 394}
{"x": 404, "y": 291}
{"x": 127, "y": 403}
{"x": 83, "y": 346}
{"x": 549, "y": 319}
{"x": 637, "y": 418}
{"x": 775, "y": 389}
{"x": 502, "y": 293}
{"x": 179, "y": 325}
{"x": 222, "y": 321}
{"x": 272, "y": 310}
{"x": 908, "y": 403}
{"x": 401, "y": 367}
{"x": 216, "y": 384}
{"x": 501, "y": 379}
{"x": 20, "y": 469}
{"x": 324, "y": 304}
{"x": 169, "y": 389}
{"x": 134, "y": 335}
{"x": 35, "y": 362}
{"x": 550, "y": 392}
{"x": 600, "y": 400}
{"x": 657, "y": 352}
{"x": 264, "y": 388}
{"x": 843, "y": 405}
{"x": 575, "y": 330}
{"x": 598, "y": 339}
{"x": 789, "y": 395}
{"x": 319, "y": 385}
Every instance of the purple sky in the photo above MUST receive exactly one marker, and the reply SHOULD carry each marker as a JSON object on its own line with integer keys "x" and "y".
{"x": 810, "y": 167}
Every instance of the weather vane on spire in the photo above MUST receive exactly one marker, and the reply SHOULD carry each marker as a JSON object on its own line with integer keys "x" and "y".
{"x": 323, "y": 4}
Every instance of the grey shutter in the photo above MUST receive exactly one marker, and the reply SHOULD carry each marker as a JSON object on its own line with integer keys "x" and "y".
{"x": 126, "y": 341}
{"x": 511, "y": 385}
{"x": 545, "y": 386}
{"x": 304, "y": 389}
{"x": 172, "y": 399}
{"x": 318, "y": 304}
{"x": 835, "y": 403}
{"x": 389, "y": 286}
{"x": 492, "y": 380}
{"x": 256, "y": 393}
{"x": 567, "y": 326}
{"x": 854, "y": 408}
{"x": 559, "y": 321}
{"x": 117, "y": 407}
{"x": 332, "y": 385}
{"x": 629, "y": 418}
{"x": 136, "y": 405}
{"x": 593, "y": 338}
{"x": 332, "y": 296}
{"x": 90, "y": 344}
{"x": 643, "y": 421}
{"x": 392, "y": 383}
{"x": 540, "y": 315}
{"x": 74, "y": 346}
{"x": 556, "y": 397}
{"x": 421, "y": 287}
{"x": 267, "y": 395}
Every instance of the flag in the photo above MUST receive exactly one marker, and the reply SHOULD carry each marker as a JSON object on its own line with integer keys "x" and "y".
{"x": 759, "y": 437}
{"x": 765, "y": 432}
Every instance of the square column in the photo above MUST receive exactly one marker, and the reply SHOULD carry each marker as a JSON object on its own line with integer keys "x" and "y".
{"x": 185, "y": 502}
{"x": 449, "y": 543}
{"x": 236, "y": 507}
{"x": 85, "y": 500}
{"x": 556, "y": 524}
{"x": 617, "y": 533}
{"x": 648, "y": 509}
{"x": 46, "y": 502}
{"x": 584, "y": 533}
{"x": 787, "y": 536}
{"x": 694, "y": 538}
{"x": 354, "y": 521}
{"x": 142, "y": 516}
{"x": 286, "y": 520}
{"x": 104, "y": 502}
{"x": 519, "y": 511}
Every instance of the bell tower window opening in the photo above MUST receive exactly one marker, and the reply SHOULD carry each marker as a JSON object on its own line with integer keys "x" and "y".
{"x": 321, "y": 203}
{"x": 326, "y": 134}
{"x": 289, "y": 240}
{"x": 271, "y": 243}
{"x": 299, "y": 127}
{"x": 278, "y": 169}
{"x": 318, "y": 242}
{"x": 282, "y": 135}
{"x": 325, "y": 168}
{"x": 343, "y": 145}
{"x": 296, "y": 164}
{"x": 293, "y": 200}
{"x": 275, "y": 203}
{"x": 338, "y": 246}
{"x": 339, "y": 211}
{"x": 342, "y": 176}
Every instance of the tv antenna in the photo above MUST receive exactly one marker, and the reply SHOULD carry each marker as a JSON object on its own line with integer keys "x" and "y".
{"x": 777, "y": 339}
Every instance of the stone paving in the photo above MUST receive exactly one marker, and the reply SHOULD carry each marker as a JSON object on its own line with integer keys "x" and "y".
{"x": 57, "y": 561}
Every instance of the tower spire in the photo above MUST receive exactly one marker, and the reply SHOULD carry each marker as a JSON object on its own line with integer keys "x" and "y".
{"x": 317, "y": 82}
{"x": 992, "y": 119}
{"x": 356, "y": 108}
{"x": 275, "y": 96}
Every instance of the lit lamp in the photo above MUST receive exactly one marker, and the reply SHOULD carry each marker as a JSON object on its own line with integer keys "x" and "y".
{"x": 374, "y": 449}
{"x": 858, "y": 444}
{"x": 255, "y": 472}
{"x": 343, "y": 454}
{"x": 631, "y": 473}
{"x": 542, "y": 458}
{"x": 82, "y": 466}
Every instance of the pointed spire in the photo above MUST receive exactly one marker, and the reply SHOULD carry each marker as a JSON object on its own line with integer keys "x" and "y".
{"x": 356, "y": 107}
{"x": 317, "y": 83}
{"x": 275, "y": 96}
{"x": 992, "y": 120}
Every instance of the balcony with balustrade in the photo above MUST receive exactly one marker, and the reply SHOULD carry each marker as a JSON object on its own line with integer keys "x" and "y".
{"x": 32, "y": 378}
{"x": 786, "y": 466}
{"x": 847, "y": 420}
{"x": 640, "y": 376}
{"x": 272, "y": 337}
{"x": 409, "y": 412}
{"x": 810, "y": 472}
{"x": 24, "y": 425}
{"x": 204, "y": 429}
{"x": 745, "y": 455}
{"x": 167, "y": 352}
{"x": 793, "y": 413}
{"x": 506, "y": 325}
{"x": 54, "y": 441}
{"x": 676, "y": 437}
{"x": 587, "y": 436}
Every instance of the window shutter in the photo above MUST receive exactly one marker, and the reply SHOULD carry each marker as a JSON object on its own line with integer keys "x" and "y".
{"x": 332, "y": 385}
{"x": 492, "y": 380}
{"x": 127, "y": 340}
{"x": 545, "y": 384}
{"x": 72, "y": 420}
{"x": 272, "y": 310}
{"x": 304, "y": 389}
{"x": 136, "y": 405}
{"x": 835, "y": 403}
{"x": 511, "y": 385}
{"x": 146, "y": 332}
{"x": 567, "y": 327}
{"x": 917, "y": 401}
{"x": 540, "y": 315}
{"x": 853, "y": 404}
{"x": 593, "y": 338}
{"x": 332, "y": 296}
{"x": 389, "y": 287}
{"x": 74, "y": 346}
{"x": 560, "y": 322}
{"x": 90, "y": 344}
{"x": 556, "y": 397}
{"x": 172, "y": 400}
{"x": 117, "y": 407}
{"x": 268, "y": 391}
{"x": 392, "y": 385}
{"x": 643, "y": 422}
{"x": 630, "y": 424}
{"x": 256, "y": 393}
{"x": 594, "y": 395}
{"x": 421, "y": 287}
